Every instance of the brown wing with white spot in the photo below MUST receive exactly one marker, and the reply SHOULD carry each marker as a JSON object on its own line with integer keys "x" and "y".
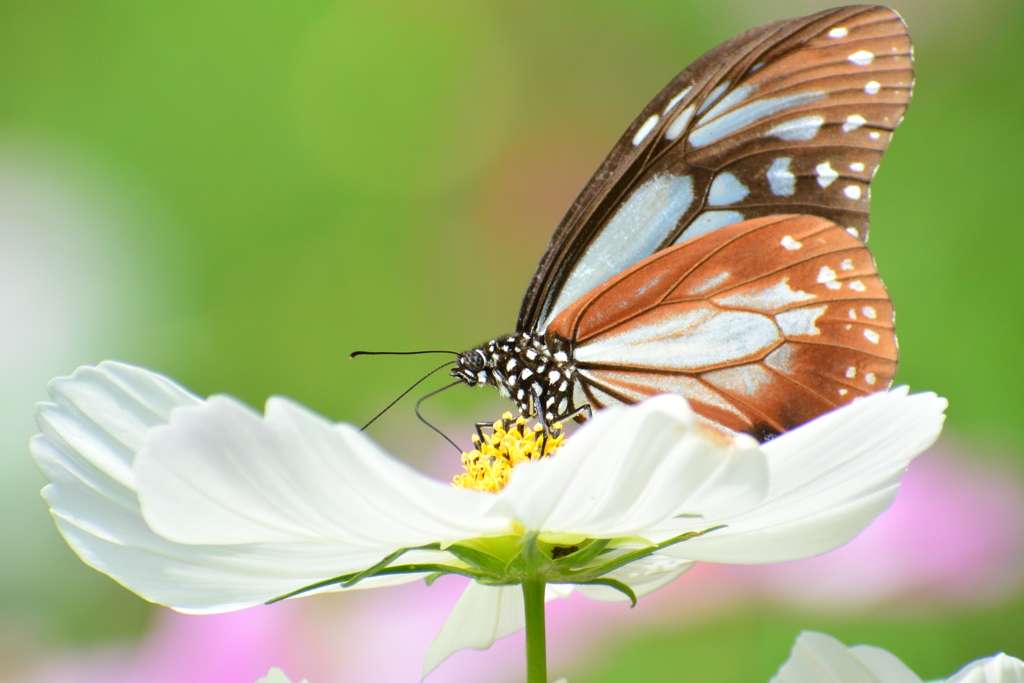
{"x": 789, "y": 117}
{"x": 761, "y": 325}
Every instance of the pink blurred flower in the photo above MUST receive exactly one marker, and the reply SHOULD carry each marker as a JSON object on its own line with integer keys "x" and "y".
{"x": 239, "y": 647}
{"x": 954, "y": 536}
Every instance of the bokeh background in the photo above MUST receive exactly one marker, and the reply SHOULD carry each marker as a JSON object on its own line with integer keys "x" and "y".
{"x": 240, "y": 194}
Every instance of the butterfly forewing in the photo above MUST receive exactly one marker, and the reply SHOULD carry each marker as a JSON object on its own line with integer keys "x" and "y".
{"x": 790, "y": 117}
{"x": 762, "y": 325}
{"x": 719, "y": 252}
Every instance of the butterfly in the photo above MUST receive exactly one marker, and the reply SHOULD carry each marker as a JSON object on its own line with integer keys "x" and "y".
{"x": 719, "y": 251}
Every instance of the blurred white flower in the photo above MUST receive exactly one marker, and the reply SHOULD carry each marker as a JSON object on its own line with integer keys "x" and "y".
{"x": 999, "y": 668}
{"x": 208, "y": 506}
{"x": 275, "y": 675}
{"x": 820, "y": 658}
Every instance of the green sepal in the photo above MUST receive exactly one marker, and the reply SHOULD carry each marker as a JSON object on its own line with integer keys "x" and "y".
{"x": 688, "y": 535}
{"x": 431, "y": 568}
{"x": 531, "y": 562}
{"x": 502, "y": 547}
{"x": 479, "y": 559}
{"x": 585, "y": 554}
{"x": 349, "y": 580}
{"x": 429, "y": 579}
{"x": 531, "y": 553}
{"x": 634, "y": 540}
{"x": 617, "y": 585}
{"x": 306, "y": 589}
{"x": 587, "y": 574}
{"x": 548, "y": 538}
{"x": 529, "y": 557}
{"x": 376, "y": 569}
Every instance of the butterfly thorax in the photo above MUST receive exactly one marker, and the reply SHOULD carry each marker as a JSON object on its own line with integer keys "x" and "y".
{"x": 527, "y": 368}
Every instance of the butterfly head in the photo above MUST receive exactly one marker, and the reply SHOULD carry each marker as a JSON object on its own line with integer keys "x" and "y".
{"x": 472, "y": 367}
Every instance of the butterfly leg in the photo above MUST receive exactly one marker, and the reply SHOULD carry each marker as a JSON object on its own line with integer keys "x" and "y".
{"x": 538, "y": 408}
{"x": 480, "y": 426}
{"x": 506, "y": 424}
{"x": 583, "y": 410}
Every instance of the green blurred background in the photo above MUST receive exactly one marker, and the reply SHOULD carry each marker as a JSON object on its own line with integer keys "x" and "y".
{"x": 239, "y": 194}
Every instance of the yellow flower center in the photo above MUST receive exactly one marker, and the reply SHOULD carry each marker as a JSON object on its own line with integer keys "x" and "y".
{"x": 490, "y": 463}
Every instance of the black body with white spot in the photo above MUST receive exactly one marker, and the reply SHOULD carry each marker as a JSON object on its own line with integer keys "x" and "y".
{"x": 538, "y": 378}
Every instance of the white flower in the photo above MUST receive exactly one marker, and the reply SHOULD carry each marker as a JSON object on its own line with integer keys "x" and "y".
{"x": 275, "y": 675}
{"x": 208, "y": 506}
{"x": 999, "y": 668}
{"x": 819, "y": 658}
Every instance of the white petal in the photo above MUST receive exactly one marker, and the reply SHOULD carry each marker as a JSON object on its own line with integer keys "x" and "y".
{"x": 882, "y": 664}
{"x": 820, "y": 658}
{"x": 999, "y": 668}
{"x": 482, "y": 615}
{"x": 215, "y": 578}
{"x": 98, "y": 419}
{"x": 221, "y": 473}
{"x": 829, "y": 479}
{"x": 630, "y": 468}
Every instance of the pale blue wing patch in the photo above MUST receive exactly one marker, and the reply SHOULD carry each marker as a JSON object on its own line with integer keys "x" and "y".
{"x": 799, "y": 129}
{"x": 643, "y": 221}
{"x": 726, "y": 189}
{"x": 679, "y": 124}
{"x": 683, "y": 338}
{"x": 711, "y": 130}
{"x": 781, "y": 179}
{"x": 708, "y": 221}
{"x": 676, "y": 99}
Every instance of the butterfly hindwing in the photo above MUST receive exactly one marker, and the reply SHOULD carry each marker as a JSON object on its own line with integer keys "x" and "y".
{"x": 762, "y": 325}
{"x": 789, "y": 117}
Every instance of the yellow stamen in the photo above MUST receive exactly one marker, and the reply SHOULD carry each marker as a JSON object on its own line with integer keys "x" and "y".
{"x": 489, "y": 465}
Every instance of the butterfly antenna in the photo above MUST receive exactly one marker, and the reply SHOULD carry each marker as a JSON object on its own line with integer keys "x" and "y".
{"x": 403, "y": 394}
{"x": 424, "y": 421}
{"x": 395, "y": 353}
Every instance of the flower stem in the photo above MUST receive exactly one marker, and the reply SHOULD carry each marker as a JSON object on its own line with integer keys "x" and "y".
{"x": 536, "y": 638}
